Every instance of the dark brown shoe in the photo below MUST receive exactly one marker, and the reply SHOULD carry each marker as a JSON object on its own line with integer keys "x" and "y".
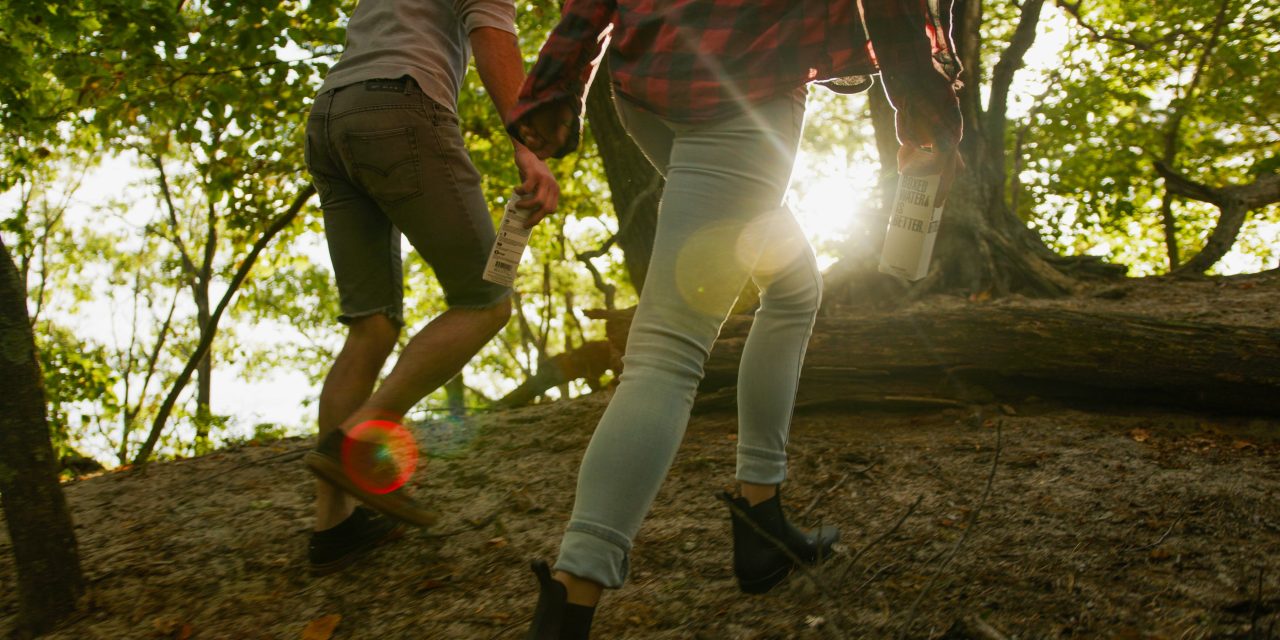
{"x": 325, "y": 462}
{"x": 337, "y": 548}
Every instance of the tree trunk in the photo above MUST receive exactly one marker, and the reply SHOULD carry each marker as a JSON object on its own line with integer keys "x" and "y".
{"x": 206, "y": 335}
{"x": 44, "y": 543}
{"x": 982, "y": 353}
{"x": 983, "y": 248}
{"x": 635, "y": 186}
{"x": 204, "y": 371}
{"x": 455, "y": 391}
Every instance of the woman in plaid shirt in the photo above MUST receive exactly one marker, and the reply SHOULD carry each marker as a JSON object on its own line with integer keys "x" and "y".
{"x": 713, "y": 92}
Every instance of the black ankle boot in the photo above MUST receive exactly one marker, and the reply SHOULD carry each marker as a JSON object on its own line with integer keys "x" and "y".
{"x": 758, "y": 562}
{"x": 555, "y": 618}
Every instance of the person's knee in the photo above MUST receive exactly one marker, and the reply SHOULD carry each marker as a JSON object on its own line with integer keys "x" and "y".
{"x": 373, "y": 336}
{"x": 799, "y": 296}
{"x": 498, "y": 315}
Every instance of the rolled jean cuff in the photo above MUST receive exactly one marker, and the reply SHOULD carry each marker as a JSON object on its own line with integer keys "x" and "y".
{"x": 761, "y": 466}
{"x": 595, "y": 553}
{"x": 391, "y": 311}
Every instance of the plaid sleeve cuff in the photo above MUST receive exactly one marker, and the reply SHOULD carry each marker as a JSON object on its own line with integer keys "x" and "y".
{"x": 528, "y": 106}
{"x": 928, "y": 114}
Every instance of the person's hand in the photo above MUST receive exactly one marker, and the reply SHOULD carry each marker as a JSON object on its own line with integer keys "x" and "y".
{"x": 546, "y": 129}
{"x": 917, "y": 161}
{"x": 539, "y": 191}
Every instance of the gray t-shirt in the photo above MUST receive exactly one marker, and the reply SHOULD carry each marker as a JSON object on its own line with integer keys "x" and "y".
{"x": 424, "y": 39}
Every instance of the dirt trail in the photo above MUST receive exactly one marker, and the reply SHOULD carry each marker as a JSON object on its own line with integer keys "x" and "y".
{"x": 1150, "y": 525}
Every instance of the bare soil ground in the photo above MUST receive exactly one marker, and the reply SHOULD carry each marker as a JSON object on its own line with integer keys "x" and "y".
{"x": 1138, "y": 524}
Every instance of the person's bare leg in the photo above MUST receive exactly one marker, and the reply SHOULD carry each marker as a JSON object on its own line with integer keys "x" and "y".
{"x": 580, "y": 591}
{"x": 432, "y": 357}
{"x": 370, "y": 340}
{"x": 757, "y": 493}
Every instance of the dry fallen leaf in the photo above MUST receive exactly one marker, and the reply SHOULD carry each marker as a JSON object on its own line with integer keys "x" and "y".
{"x": 172, "y": 627}
{"x": 321, "y": 628}
{"x": 498, "y": 543}
{"x": 1139, "y": 434}
{"x": 1242, "y": 444}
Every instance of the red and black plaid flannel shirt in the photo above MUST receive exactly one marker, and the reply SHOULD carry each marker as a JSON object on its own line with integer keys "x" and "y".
{"x": 701, "y": 60}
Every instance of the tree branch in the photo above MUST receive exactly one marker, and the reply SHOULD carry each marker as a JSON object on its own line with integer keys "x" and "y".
{"x": 1002, "y": 79}
{"x": 1173, "y": 134}
{"x": 1234, "y": 202}
{"x": 207, "y": 333}
{"x": 172, "y": 209}
{"x": 1073, "y": 9}
{"x": 609, "y": 291}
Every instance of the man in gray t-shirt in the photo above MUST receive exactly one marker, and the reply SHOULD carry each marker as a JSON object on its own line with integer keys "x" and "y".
{"x": 387, "y": 158}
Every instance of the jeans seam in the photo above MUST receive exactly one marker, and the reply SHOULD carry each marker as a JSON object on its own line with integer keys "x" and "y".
{"x": 453, "y": 188}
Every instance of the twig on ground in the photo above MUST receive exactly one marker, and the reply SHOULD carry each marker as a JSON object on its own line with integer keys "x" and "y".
{"x": 473, "y": 527}
{"x": 881, "y": 538}
{"x": 1257, "y": 601}
{"x": 1162, "y": 537}
{"x": 863, "y": 471}
{"x": 514, "y": 625}
{"x": 873, "y": 577}
{"x": 818, "y": 498}
{"x": 969, "y": 527}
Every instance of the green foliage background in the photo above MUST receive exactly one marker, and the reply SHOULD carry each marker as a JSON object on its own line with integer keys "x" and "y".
{"x": 216, "y": 95}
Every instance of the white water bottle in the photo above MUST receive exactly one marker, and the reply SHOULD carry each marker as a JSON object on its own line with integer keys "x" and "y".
{"x": 509, "y": 247}
{"x": 913, "y": 227}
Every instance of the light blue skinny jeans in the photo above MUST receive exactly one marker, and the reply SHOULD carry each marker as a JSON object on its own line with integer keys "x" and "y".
{"x": 722, "y": 220}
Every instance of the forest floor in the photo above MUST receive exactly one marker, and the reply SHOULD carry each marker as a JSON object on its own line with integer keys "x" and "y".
{"x": 1097, "y": 523}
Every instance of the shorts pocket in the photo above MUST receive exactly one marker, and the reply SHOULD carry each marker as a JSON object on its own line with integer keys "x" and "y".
{"x": 385, "y": 163}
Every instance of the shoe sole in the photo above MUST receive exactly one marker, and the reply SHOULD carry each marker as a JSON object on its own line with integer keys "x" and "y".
{"x": 320, "y": 570}
{"x": 327, "y": 469}
{"x": 763, "y": 585}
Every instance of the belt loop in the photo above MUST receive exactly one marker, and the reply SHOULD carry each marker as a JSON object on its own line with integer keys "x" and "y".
{"x": 408, "y": 80}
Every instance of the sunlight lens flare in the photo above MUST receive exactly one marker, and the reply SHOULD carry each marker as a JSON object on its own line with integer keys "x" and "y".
{"x": 379, "y": 455}
{"x": 771, "y": 244}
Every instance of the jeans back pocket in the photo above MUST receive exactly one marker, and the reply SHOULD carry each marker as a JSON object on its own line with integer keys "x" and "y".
{"x": 385, "y": 163}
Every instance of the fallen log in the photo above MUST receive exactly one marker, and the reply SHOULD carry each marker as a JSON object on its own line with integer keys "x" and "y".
{"x": 986, "y": 353}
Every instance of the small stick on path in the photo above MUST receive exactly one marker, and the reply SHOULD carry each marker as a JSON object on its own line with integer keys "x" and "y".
{"x": 969, "y": 526}
{"x": 818, "y": 498}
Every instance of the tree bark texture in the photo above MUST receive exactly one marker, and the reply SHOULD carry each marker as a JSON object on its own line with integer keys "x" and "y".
{"x": 983, "y": 353}
{"x": 43, "y": 540}
{"x": 636, "y": 187}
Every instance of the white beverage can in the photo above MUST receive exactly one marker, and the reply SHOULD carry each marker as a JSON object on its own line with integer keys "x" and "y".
{"x": 913, "y": 227}
{"x": 509, "y": 247}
